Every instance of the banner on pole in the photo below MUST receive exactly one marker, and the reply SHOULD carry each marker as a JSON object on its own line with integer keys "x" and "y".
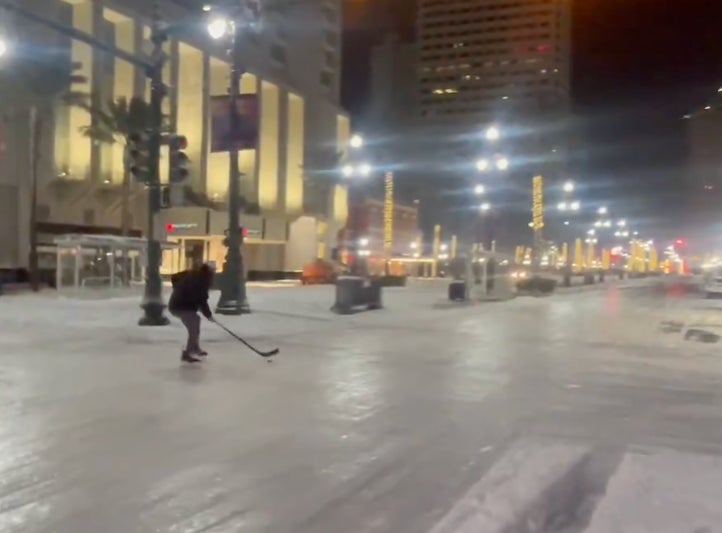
{"x": 246, "y": 136}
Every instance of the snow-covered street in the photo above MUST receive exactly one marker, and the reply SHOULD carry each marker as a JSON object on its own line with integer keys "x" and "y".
{"x": 379, "y": 422}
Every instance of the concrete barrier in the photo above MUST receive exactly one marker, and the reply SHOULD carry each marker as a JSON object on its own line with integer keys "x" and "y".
{"x": 353, "y": 292}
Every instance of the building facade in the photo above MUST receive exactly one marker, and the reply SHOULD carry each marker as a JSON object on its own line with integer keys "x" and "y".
{"x": 292, "y": 64}
{"x": 372, "y": 228}
{"x": 704, "y": 174}
{"x": 482, "y": 58}
{"x": 392, "y": 102}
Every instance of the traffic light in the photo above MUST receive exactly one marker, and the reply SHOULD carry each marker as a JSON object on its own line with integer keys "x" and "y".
{"x": 179, "y": 161}
{"x": 243, "y": 232}
{"x": 137, "y": 156}
{"x": 165, "y": 197}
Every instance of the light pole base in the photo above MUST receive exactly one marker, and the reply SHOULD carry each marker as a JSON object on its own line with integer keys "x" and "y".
{"x": 154, "y": 315}
{"x": 233, "y": 307}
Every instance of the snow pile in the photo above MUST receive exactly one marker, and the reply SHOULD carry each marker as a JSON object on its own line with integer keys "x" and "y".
{"x": 668, "y": 492}
{"x": 523, "y": 482}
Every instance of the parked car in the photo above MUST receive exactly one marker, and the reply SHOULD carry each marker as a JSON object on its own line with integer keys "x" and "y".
{"x": 321, "y": 272}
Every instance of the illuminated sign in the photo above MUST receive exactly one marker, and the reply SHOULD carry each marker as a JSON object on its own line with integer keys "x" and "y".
{"x": 175, "y": 227}
{"x": 538, "y": 203}
{"x": 389, "y": 211}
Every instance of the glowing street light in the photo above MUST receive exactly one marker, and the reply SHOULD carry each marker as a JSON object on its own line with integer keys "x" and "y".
{"x": 219, "y": 27}
{"x": 492, "y": 133}
{"x": 575, "y": 206}
{"x": 502, "y": 164}
{"x": 485, "y": 207}
{"x": 622, "y": 223}
{"x": 607, "y": 223}
{"x": 347, "y": 171}
{"x": 562, "y": 206}
{"x": 482, "y": 165}
{"x": 356, "y": 141}
{"x": 591, "y": 232}
{"x": 602, "y": 211}
{"x": 566, "y": 222}
{"x": 569, "y": 186}
{"x": 479, "y": 190}
{"x": 365, "y": 169}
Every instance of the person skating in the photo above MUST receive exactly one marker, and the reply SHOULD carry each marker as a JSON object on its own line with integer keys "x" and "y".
{"x": 190, "y": 295}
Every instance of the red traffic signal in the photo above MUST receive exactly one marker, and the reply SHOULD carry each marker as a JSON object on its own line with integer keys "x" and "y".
{"x": 680, "y": 242}
{"x": 178, "y": 142}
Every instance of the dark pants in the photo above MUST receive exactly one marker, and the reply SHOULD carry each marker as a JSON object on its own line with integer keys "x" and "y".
{"x": 192, "y": 322}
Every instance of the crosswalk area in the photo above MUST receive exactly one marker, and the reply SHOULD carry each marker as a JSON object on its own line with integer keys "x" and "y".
{"x": 555, "y": 487}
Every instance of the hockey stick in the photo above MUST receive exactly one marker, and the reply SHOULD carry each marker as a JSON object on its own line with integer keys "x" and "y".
{"x": 269, "y": 353}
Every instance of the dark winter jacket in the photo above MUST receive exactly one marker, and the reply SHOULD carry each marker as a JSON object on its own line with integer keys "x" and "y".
{"x": 190, "y": 290}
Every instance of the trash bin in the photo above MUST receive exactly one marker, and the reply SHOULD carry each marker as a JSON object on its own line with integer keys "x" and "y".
{"x": 457, "y": 291}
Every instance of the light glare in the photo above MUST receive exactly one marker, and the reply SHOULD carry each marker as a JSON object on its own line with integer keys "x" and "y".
{"x": 482, "y": 165}
{"x": 218, "y": 28}
{"x": 492, "y": 133}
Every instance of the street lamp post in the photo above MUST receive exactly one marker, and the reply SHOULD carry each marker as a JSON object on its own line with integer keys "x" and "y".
{"x": 233, "y": 299}
{"x": 355, "y": 170}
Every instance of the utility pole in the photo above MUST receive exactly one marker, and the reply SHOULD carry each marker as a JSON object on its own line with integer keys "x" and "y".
{"x": 35, "y": 137}
{"x": 153, "y": 306}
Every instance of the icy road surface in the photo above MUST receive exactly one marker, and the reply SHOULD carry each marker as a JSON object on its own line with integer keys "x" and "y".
{"x": 378, "y": 422}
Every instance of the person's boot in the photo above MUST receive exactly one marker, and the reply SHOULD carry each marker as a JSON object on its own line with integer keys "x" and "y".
{"x": 188, "y": 357}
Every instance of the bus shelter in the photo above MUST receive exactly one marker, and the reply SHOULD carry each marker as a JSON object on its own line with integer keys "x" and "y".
{"x": 85, "y": 261}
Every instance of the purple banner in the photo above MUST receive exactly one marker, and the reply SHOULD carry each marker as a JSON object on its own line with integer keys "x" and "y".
{"x": 246, "y": 137}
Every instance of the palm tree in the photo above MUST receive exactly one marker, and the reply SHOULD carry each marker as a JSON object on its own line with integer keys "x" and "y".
{"x": 113, "y": 124}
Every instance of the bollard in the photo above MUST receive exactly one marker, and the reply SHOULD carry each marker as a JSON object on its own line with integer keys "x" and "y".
{"x": 457, "y": 291}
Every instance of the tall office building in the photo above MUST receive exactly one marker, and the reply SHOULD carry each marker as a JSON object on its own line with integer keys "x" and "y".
{"x": 704, "y": 174}
{"x": 479, "y": 59}
{"x": 292, "y": 66}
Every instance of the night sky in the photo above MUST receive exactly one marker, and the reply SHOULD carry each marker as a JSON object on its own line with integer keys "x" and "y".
{"x": 639, "y": 65}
